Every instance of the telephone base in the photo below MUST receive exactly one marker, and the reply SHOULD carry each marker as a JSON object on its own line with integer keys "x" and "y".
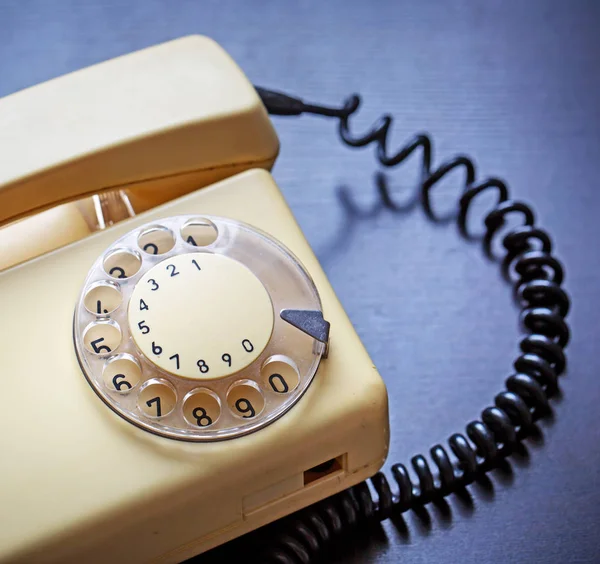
{"x": 81, "y": 484}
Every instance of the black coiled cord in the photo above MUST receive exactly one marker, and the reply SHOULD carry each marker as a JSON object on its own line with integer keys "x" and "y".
{"x": 536, "y": 276}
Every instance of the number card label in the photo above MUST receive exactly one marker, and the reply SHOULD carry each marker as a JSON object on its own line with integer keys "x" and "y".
{"x": 201, "y": 316}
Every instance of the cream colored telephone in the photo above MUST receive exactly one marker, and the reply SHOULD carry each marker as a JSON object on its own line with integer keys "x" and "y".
{"x": 176, "y": 367}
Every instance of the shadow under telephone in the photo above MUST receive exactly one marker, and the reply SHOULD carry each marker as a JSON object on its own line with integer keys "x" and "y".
{"x": 197, "y": 376}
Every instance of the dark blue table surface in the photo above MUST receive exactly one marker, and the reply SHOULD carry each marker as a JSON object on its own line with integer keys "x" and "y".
{"x": 515, "y": 84}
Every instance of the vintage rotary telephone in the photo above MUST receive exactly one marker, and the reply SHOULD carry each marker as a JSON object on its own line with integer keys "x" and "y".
{"x": 185, "y": 373}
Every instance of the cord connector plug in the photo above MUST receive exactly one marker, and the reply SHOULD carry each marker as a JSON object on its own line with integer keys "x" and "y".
{"x": 280, "y": 104}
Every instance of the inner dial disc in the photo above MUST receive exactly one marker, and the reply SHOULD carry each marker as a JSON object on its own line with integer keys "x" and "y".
{"x": 200, "y": 316}
{"x": 179, "y": 330}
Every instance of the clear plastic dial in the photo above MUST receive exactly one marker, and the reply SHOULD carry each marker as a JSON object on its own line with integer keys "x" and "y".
{"x": 178, "y": 328}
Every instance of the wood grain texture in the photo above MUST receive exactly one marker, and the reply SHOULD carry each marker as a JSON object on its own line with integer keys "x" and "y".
{"x": 516, "y": 85}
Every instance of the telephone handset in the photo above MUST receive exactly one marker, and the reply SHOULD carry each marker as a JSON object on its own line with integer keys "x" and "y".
{"x": 237, "y": 387}
{"x": 131, "y": 133}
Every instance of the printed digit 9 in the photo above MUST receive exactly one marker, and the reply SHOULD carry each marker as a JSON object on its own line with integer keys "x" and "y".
{"x": 244, "y": 406}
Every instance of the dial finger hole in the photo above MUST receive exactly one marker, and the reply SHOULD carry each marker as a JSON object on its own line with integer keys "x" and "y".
{"x": 280, "y": 374}
{"x": 157, "y": 398}
{"x": 102, "y": 298}
{"x": 156, "y": 240}
{"x": 201, "y": 408}
{"x": 245, "y": 399}
{"x": 122, "y": 373}
{"x": 102, "y": 337}
{"x": 199, "y": 232}
{"x": 122, "y": 263}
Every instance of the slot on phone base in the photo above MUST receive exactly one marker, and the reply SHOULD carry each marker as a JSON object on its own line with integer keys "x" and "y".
{"x": 323, "y": 470}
